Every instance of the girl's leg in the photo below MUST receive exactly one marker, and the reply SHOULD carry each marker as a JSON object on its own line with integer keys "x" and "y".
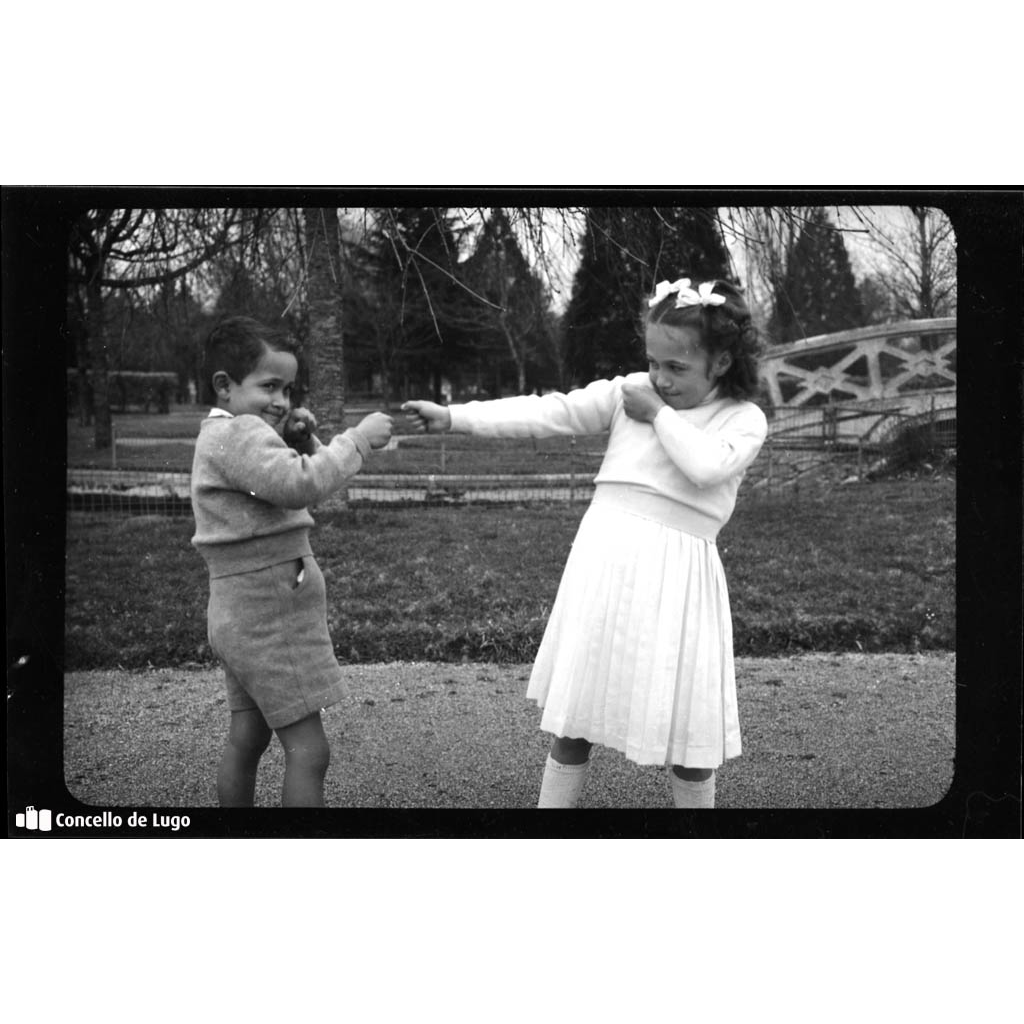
{"x": 693, "y": 787}
{"x": 564, "y": 772}
{"x": 565, "y": 750}
{"x": 306, "y": 757}
{"x": 248, "y": 736}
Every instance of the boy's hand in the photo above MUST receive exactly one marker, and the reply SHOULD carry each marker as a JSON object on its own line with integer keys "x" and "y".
{"x": 641, "y": 402}
{"x": 428, "y": 417}
{"x": 376, "y": 428}
{"x": 299, "y": 428}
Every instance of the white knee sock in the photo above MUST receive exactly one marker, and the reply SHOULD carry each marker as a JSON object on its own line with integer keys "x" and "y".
{"x": 561, "y": 784}
{"x": 693, "y": 794}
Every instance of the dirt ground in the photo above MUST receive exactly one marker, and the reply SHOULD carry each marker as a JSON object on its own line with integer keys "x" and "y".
{"x": 819, "y": 731}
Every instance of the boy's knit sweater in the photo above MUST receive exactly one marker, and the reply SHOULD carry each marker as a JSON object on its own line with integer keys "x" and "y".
{"x": 695, "y": 457}
{"x": 250, "y": 491}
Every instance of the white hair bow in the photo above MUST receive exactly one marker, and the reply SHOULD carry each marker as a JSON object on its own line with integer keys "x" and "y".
{"x": 685, "y": 295}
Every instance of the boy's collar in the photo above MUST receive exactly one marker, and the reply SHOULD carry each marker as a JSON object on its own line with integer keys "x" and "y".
{"x": 218, "y": 411}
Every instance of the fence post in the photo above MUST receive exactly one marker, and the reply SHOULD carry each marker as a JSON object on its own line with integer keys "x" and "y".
{"x": 572, "y": 469}
{"x": 444, "y": 456}
{"x": 113, "y": 444}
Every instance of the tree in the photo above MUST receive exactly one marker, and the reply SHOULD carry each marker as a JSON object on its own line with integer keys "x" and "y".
{"x": 818, "y": 293}
{"x": 405, "y": 267}
{"x": 914, "y": 261}
{"x": 324, "y": 347}
{"x": 766, "y": 237}
{"x": 625, "y": 252}
{"x": 509, "y": 320}
{"x": 131, "y": 249}
{"x": 374, "y": 301}
{"x": 875, "y": 301}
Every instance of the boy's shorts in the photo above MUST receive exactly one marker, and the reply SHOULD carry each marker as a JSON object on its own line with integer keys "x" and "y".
{"x": 269, "y": 630}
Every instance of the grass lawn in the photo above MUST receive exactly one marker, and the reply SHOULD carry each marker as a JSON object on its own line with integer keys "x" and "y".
{"x": 870, "y": 567}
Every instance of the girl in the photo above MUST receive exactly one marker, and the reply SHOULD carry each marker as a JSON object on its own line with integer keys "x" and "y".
{"x": 637, "y": 653}
{"x": 257, "y": 465}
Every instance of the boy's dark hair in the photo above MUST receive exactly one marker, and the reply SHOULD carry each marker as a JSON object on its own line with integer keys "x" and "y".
{"x": 724, "y": 328}
{"x": 236, "y": 344}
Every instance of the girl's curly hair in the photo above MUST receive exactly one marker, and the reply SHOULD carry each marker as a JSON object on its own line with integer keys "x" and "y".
{"x": 725, "y": 328}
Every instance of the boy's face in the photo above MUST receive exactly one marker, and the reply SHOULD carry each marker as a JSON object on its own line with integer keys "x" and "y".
{"x": 265, "y": 391}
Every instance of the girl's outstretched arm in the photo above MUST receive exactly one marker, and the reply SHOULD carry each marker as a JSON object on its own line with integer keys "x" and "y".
{"x": 586, "y": 410}
{"x": 428, "y": 417}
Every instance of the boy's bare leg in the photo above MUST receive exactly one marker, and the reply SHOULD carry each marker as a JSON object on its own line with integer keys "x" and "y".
{"x": 248, "y": 736}
{"x": 306, "y": 757}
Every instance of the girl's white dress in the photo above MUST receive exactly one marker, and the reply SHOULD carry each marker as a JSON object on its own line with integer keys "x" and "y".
{"x": 637, "y": 654}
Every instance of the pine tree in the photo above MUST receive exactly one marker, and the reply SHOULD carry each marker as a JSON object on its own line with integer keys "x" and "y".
{"x": 818, "y": 294}
{"x": 509, "y": 324}
{"x": 403, "y": 293}
{"x": 626, "y": 251}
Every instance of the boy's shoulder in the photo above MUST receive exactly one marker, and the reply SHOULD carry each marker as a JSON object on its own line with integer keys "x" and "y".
{"x": 244, "y": 423}
{"x": 222, "y": 432}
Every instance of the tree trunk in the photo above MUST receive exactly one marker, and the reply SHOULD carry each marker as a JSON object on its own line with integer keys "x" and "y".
{"x": 325, "y": 356}
{"x": 103, "y": 432}
{"x": 927, "y": 306}
{"x": 517, "y": 358}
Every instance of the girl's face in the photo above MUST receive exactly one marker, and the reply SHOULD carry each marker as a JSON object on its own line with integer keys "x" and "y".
{"x": 265, "y": 392}
{"x": 681, "y": 371}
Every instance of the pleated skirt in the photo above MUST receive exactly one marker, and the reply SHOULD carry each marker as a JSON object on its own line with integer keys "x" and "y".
{"x": 637, "y": 654}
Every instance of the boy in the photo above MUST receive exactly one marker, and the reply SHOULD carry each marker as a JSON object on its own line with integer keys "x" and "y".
{"x": 257, "y": 467}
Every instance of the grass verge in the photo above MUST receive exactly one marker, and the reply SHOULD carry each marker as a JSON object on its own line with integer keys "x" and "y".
{"x": 870, "y": 567}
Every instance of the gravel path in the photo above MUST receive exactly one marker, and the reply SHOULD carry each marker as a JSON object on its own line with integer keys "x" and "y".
{"x": 819, "y": 731}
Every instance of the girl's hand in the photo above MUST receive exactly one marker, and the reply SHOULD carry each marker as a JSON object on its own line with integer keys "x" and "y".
{"x": 428, "y": 417}
{"x": 299, "y": 428}
{"x": 376, "y": 428}
{"x": 641, "y": 402}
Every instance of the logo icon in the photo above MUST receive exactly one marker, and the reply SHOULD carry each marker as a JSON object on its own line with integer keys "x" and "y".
{"x": 41, "y": 821}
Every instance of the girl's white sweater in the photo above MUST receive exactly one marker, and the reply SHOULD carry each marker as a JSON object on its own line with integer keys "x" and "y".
{"x": 696, "y": 457}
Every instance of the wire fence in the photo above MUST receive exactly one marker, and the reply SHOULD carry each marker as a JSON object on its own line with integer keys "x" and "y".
{"x": 808, "y": 450}
{"x": 412, "y": 471}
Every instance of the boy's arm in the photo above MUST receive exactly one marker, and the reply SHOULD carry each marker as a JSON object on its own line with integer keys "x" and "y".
{"x": 254, "y": 459}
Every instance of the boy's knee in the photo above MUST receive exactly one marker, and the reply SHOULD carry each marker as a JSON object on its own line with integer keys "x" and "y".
{"x": 317, "y": 754}
{"x": 305, "y": 744}
{"x": 249, "y": 733}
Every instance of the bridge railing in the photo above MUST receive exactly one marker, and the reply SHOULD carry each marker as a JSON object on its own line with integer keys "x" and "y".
{"x": 881, "y": 361}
